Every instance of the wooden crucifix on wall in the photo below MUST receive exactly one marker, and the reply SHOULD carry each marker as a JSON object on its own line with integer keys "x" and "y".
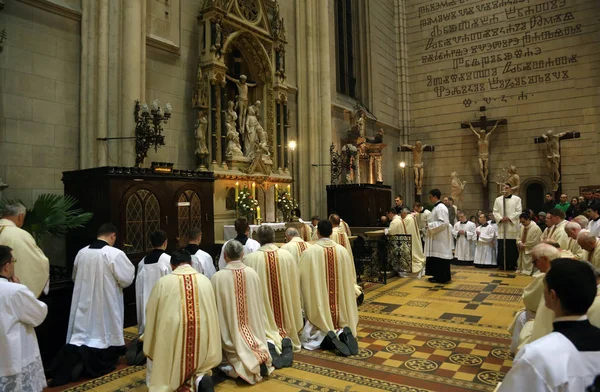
{"x": 553, "y": 157}
{"x": 417, "y": 151}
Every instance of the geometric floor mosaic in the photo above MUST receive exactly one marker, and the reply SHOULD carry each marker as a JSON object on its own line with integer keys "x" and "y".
{"x": 413, "y": 336}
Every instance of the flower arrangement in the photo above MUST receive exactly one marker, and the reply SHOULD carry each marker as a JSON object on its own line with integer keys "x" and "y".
{"x": 286, "y": 204}
{"x": 246, "y": 204}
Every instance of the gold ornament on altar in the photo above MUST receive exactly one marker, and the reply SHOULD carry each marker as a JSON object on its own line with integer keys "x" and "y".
{"x": 286, "y": 204}
{"x": 246, "y": 203}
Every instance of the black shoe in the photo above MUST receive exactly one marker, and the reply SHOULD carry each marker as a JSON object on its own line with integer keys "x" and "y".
{"x": 338, "y": 345}
{"x": 349, "y": 340}
{"x": 360, "y": 299}
{"x": 275, "y": 358}
{"x": 77, "y": 371}
{"x": 432, "y": 280}
{"x": 131, "y": 353}
{"x": 263, "y": 370}
{"x": 206, "y": 385}
{"x": 140, "y": 359}
{"x": 287, "y": 354}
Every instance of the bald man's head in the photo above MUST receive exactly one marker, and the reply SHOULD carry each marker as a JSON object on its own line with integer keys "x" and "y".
{"x": 586, "y": 240}
{"x": 572, "y": 229}
{"x": 582, "y": 220}
{"x": 542, "y": 254}
{"x": 334, "y": 219}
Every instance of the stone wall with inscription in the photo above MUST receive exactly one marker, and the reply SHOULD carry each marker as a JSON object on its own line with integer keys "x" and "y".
{"x": 534, "y": 63}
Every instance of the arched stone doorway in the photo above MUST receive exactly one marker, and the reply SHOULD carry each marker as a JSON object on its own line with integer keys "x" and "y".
{"x": 533, "y": 190}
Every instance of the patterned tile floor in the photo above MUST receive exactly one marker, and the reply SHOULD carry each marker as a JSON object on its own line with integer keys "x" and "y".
{"x": 413, "y": 336}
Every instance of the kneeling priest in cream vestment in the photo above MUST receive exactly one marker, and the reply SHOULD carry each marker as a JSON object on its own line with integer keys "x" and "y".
{"x": 182, "y": 329}
{"x": 242, "y": 317}
{"x": 327, "y": 282}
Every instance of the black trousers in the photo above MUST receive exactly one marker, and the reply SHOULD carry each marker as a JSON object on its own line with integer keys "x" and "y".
{"x": 512, "y": 254}
{"x": 96, "y": 362}
{"x": 439, "y": 269}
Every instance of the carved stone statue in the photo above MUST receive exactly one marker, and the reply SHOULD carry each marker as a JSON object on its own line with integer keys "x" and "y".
{"x": 234, "y": 149}
{"x": 483, "y": 140}
{"x": 200, "y": 132}
{"x": 218, "y": 35}
{"x": 514, "y": 180}
{"x": 242, "y": 98}
{"x": 457, "y": 187}
{"x": 251, "y": 129}
{"x": 361, "y": 124}
{"x": 553, "y": 156}
{"x": 417, "y": 151}
{"x": 263, "y": 139}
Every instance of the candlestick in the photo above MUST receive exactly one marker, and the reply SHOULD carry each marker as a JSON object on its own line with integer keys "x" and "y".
{"x": 237, "y": 191}
{"x": 257, "y": 212}
{"x": 254, "y": 190}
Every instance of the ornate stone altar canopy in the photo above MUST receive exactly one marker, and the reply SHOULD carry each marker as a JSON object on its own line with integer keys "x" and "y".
{"x": 242, "y": 61}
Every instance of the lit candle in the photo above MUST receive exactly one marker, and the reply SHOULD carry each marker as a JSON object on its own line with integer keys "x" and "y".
{"x": 290, "y": 190}
{"x": 237, "y": 191}
{"x": 254, "y": 190}
{"x": 276, "y": 190}
{"x": 257, "y": 212}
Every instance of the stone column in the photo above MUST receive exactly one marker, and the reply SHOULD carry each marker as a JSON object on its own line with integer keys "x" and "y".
{"x": 314, "y": 104}
{"x": 113, "y": 67}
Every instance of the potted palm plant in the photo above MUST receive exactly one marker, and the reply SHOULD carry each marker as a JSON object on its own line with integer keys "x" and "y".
{"x": 52, "y": 214}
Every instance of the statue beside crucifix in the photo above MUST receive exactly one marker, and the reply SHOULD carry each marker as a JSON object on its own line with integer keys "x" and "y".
{"x": 483, "y": 141}
{"x": 242, "y": 98}
{"x": 552, "y": 142}
{"x": 417, "y": 151}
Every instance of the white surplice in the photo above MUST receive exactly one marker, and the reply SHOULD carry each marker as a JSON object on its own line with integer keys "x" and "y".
{"x": 296, "y": 247}
{"x": 485, "y": 251}
{"x": 594, "y": 227}
{"x": 514, "y": 208}
{"x": 438, "y": 239}
{"x": 182, "y": 332}
{"x": 463, "y": 250}
{"x": 327, "y": 280}
{"x": 250, "y": 246}
{"x": 147, "y": 276}
{"x": 529, "y": 236}
{"x": 96, "y": 318}
{"x": 279, "y": 276}
{"x": 21, "y": 366}
{"x": 206, "y": 263}
{"x": 240, "y": 303}
{"x": 552, "y": 364}
{"x": 33, "y": 268}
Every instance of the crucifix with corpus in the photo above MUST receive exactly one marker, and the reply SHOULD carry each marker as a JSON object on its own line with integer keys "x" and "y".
{"x": 552, "y": 142}
{"x": 417, "y": 151}
{"x": 483, "y": 140}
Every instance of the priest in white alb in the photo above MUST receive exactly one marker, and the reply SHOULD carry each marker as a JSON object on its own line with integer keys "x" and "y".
{"x": 21, "y": 367}
{"x": 206, "y": 265}
{"x": 294, "y": 244}
{"x": 150, "y": 269}
{"x": 555, "y": 219}
{"x": 409, "y": 227}
{"x": 395, "y": 227}
{"x": 485, "y": 250}
{"x": 507, "y": 209}
{"x": 182, "y": 336}
{"x": 242, "y": 318}
{"x": 594, "y": 223}
{"x": 242, "y": 228}
{"x": 33, "y": 269}
{"x": 533, "y": 296}
{"x": 438, "y": 241}
{"x": 529, "y": 236}
{"x": 278, "y": 273}
{"x": 464, "y": 233}
{"x": 327, "y": 280}
{"x": 95, "y": 331}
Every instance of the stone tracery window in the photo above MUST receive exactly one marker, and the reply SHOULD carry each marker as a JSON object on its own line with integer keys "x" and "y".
{"x": 345, "y": 47}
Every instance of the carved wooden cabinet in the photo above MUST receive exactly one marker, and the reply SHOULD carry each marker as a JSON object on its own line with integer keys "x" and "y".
{"x": 139, "y": 201}
{"x": 360, "y": 205}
